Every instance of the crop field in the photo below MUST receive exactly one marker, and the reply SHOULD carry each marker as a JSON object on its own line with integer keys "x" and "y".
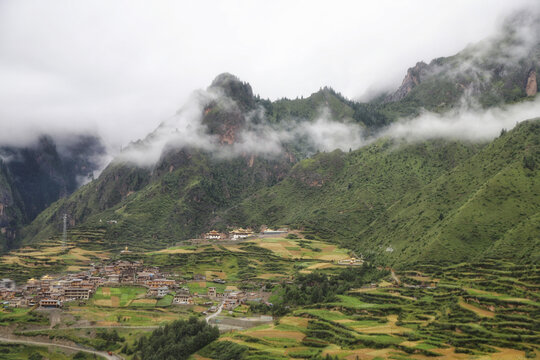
{"x": 460, "y": 312}
{"x": 119, "y": 296}
{"x": 271, "y": 259}
{"x": 51, "y": 257}
{"x": 302, "y": 249}
{"x": 21, "y": 316}
{"x": 132, "y": 316}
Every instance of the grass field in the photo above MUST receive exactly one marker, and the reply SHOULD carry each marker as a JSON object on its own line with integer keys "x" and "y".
{"x": 302, "y": 249}
{"x": 21, "y": 316}
{"x": 120, "y": 296}
{"x": 21, "y": 352}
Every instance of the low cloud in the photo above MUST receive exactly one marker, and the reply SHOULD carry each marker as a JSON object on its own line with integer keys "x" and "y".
{"x": 463, "y": 123}
{"x": 187, "y": 130}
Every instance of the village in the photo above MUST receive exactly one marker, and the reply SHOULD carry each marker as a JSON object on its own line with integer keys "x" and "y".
{"x": 54, "y": 291}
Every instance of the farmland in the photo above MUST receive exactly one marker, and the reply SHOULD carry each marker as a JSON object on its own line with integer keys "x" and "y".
{"x": 463, "y": 311}
{"x": 458, "y": 318}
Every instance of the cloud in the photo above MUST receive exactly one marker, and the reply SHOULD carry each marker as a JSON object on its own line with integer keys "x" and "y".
{"x": 121, "y": 68}
{"x": 258, "y": 136}
{"x": 463, "y": 123}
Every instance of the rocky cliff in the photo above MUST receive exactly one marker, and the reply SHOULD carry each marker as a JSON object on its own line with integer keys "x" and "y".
{"x": 34, "y": 176}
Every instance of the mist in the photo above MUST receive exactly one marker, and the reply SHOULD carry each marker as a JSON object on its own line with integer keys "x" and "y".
{"x": 259, "y": 136}
{"x": 119, "y": 69}
{"x": 465, "y": 123}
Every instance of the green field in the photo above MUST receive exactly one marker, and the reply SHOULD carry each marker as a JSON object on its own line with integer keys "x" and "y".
{"x": 21, "y": 316}
{"x": 24, "y": 352}
{"x": 117, "y": 296}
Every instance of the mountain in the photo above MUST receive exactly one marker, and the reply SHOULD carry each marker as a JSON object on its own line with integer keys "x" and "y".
{"x": 32, "y": 177}
{"x": 229, "y": 158}
{"x": 498, "y": 70}
{"x": 437, "y": 201}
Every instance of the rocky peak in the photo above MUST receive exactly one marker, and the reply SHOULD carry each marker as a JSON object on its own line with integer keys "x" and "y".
{"x": 232, "y": 87}
{"x": 412, "y": 79}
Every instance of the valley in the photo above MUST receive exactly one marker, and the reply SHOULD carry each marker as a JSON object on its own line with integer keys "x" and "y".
{"x": 401, "y": 224}
{"x": 462, "y": 311}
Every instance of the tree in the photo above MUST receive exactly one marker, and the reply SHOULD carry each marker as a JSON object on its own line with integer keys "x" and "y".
{"x": 35, "y": 356}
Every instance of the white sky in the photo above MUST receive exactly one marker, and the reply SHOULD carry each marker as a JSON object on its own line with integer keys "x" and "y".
{"x": 120, "y": 67}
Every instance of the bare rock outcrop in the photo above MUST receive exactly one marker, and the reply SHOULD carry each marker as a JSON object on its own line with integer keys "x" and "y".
{"x": 532, "y": 86}
{"x": 411, "y": 80}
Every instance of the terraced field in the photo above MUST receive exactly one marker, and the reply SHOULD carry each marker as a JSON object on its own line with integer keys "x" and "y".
{"x": 50, "y": 257}
{"x": 489, "y": 310}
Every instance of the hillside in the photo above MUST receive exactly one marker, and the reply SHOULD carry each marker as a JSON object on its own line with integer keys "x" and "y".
{"x": 499, "y": 70}
{"x": 406, "y": 203}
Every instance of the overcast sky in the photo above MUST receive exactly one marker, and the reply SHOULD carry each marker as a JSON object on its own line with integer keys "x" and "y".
{"x": 120, "y": 67}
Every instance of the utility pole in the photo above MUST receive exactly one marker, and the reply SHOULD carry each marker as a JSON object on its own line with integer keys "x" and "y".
{"x": 64, "y": 232}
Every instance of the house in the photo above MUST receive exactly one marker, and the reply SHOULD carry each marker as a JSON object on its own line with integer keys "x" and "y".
{"x": 183, "y": 299}
{"x": 162, "y": 291}
{"x": 156, "y": 283}
{"x": 50, "y": 303}
{"x": 17, "y": 302}
{"x": 76, "y": 282}
{"x": 351, "y": 262}
{"x": 212, "y": 292}
{"x": 214, "y": 235}
{"x": 230, "y": 304}
{"x": 275, "y": 232}
{"x": 144, "y": 276}
{"x": 46, "y": 280}
{"x": 114, "y": 278}
{"x": 77, "y": 293}
{"x": 240, "y": 234}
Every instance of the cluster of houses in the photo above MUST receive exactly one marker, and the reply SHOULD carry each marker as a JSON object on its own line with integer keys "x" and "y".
{"x": 230, "y": 298}
{"x": 236, "y": 234}
{"x": 240, "y": 233}
{"x": 52, "y": 292}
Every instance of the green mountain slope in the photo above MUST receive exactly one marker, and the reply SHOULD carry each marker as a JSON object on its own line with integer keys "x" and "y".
{"x": 433, "y": 201}
{"x": 339, "y": 194}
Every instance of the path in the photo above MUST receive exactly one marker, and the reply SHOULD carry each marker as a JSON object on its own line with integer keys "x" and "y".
{"x": 211, "y": 316}
{"x": 151, "y": 327}
{"x": 70, "y": 347}
{"x": 394, "y": 276}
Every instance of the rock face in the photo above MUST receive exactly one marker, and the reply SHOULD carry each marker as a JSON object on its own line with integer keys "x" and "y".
{"x": 411, "y": 80}
{"x": 532, "y": 87}
{"x": 34, "y": 176}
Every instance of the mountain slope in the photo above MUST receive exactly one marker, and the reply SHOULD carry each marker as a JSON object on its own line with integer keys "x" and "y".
{"x": 499, "y": 70}
{"x": 432, "y": 201}
{"x": 474, "y": 207}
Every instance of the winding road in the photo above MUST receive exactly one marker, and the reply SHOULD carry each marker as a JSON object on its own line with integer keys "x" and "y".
{"x": 70, "y": 347}
{"x": 211, "y": 316}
